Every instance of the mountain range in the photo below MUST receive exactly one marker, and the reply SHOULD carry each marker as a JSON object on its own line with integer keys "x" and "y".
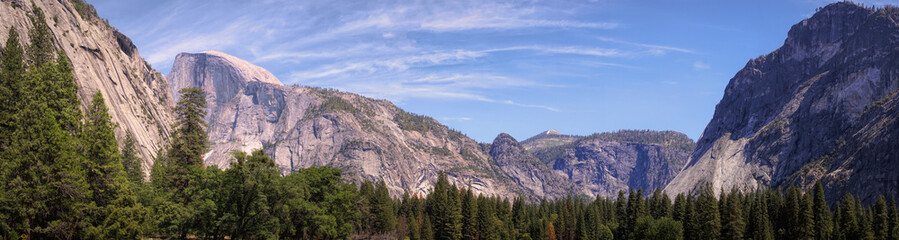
{"x": 822, "y": 107}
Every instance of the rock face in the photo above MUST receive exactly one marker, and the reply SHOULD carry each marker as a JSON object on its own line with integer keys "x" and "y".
{"x": 103, "y": 60}
{"x": 301, "y": 127}
{"x": 528, "y": 171}
{"x": 821, "y": 107}
{"x": 604, "y": 163}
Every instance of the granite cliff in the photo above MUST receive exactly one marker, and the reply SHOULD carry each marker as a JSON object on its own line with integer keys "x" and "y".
{"x": 104, "y": 60}
{"x": 821, "y": 107}
{"x": 604, "y": 163}
{"x": 302, "y": 126}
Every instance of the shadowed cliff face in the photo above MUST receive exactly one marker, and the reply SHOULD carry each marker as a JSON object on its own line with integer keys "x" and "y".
{"x": 810, "y": 110}
{"x": 301, "y": 127}
{"x": 528, "y": 171}
{"x": 602, "y": 164}
{"x": 103, "y": 60}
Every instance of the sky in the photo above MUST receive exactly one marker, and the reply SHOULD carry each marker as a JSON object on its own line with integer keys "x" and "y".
{"x": 487, "y": 67}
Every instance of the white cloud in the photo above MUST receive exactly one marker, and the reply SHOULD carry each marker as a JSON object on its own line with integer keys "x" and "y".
{"x": 660, "y": 49}
{"x": 165, "y": 49}
{"x": 699, "y": 65}
{"x": 459, "y": 119}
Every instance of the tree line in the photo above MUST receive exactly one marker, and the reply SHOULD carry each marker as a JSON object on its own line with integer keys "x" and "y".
{"x": 63, "y": 175}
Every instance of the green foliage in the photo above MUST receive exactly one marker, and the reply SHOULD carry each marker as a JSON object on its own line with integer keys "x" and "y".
{"x": 707, "y": 214}
{"x": 332, "y": 104}
{"x": 131, "y": 161}
{"x": 40, "y": 50}
{"x": 663, "y": 138}
{"x": 662, "y": 229}
{"x": 86, "y": 10}
{"x": 414, "y": 122}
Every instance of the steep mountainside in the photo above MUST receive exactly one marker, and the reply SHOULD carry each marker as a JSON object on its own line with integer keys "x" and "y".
{"x": 528, "y": 171}
{"x": 301, "y": 127}
{"x": 604, "y": 163}
{"x": 821, "y": 107}
{"x": 104, "y": 60}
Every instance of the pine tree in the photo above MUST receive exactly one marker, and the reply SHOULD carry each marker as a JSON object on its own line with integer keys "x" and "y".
{"x": 114, "y": 212}
{"x": 414, "y": 228}
{"x": 707, "y": 214}
{"x": 41, "y": 164}
{"x": 485, "y": 220}
{"x": 12, "y": 72}
{"x": 733, "y": 226}
{"x": 444, "y": 208}
{"x": 849, "y": 222}
{"x": 40, "y": 51}
{"x": 382, "y": 209}
{"x": 131, "y": 161}
{"x": 427, "y": 229}
{"x": 806, "y": 217}
{"x": 691, "y": 221}
{"x": 469, "y": 215}
{"x": 894, "y": 220}
{"x": 881, "y": 218}
{"x": 823, "y": 221}
{"x": 679, "y": 209}
{"x": 621, "y": 215}
{"x": 189, "y": 143}
{"x": 760, "y": 224}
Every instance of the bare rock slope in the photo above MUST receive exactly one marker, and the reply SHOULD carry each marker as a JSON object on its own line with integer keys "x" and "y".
{"x": 103, "y": 60}
{"x": 821, "y": 107}
{"x": 603, "y": 164}
{"x": 301, "y": 127}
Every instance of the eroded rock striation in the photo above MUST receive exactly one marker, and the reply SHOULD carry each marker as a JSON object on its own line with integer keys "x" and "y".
{"x": 528, "y": 171}
{"x": 301, "y": 127}
{"x": 605, "y": 163}
{"x": 821, "y": 107}
{"x": 103, "y": 60}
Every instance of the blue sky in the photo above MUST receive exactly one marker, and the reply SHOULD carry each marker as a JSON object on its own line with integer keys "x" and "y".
{"x": 486, "y": 67}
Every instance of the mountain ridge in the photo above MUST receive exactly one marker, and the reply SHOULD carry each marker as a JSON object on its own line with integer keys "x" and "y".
{"x": 792, "y": 107}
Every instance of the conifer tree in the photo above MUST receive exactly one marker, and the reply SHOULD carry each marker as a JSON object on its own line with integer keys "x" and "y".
{"x": 760, "y": 224}
{"x": 707, "y": 214}
{"x": 414, "y": 228}
{"x": 12, "y": 72}
{"x": 131, "y": 161}
{"x": 382, "y": 209}
{"x": 427, "y": 229}
{"x": 806, "y": 217}
{"x": 881, "y": 219}
{"x": 42, "y": 162}
{"x": 849, "y": 222}
{"x": 692, "y": 222}
{"x": 822, "y": 216}
{"x": 734, "y": 225}
{"x": 40, "y": 50}
{"x": 894, "y": 220}
{"x": 679, "y": 209}
{"x": 469, "y": 215}
{"x": 114, "y": 211}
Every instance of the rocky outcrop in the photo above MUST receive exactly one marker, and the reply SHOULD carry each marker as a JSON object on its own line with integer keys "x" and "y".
{"x": 103, "y": 60}
{"x": 528, "y": 171}
{"x": 301, "y": 127}
{"x": 817, "y": 108}
{"x": 605, "y": 163}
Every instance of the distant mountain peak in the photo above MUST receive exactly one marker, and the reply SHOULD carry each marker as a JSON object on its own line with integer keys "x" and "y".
{"x": 552, "y": 132}
{"x": 222, "y": 76}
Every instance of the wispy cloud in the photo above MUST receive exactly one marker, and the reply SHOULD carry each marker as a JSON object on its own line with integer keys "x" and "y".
{"x": 662, "y": 48}
{"x": 167, "y": 48}
{"x": 458, "y": 119}
{"x": 699, "y": 65}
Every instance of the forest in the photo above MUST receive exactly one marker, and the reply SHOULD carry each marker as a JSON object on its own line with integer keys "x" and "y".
{"x": 63, "y": 175}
